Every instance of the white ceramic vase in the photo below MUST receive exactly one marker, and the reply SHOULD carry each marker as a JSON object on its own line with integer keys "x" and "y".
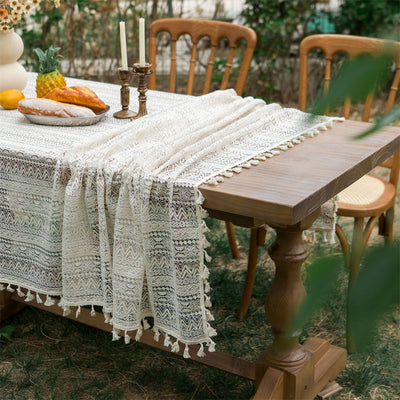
{"x": 12, "y": 73}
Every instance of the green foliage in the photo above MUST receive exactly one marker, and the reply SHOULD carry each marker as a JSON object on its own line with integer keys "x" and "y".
{"x": 375, "y": 292}
{"x": 279, "y": 25}
{"x": 6, "y": 332}
{"x": 357, "y": 78}
{"x": 322, "y": 276}
{"x": 367, "y": 18}
{"x": 49, "y": 61}
{"x": 387, "y": 119}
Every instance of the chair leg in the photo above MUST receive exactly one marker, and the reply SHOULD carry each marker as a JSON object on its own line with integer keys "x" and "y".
{"x": 344, "y": 245}
{"x": 388, "y": 227}
{"x": 230, "y": 230}
{"x": 357, "y": 247}
{"x": 251, "y": 272}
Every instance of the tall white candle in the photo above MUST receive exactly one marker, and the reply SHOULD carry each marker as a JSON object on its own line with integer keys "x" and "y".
{"x": 142, "y": 57}
{"x": 124, "y": 55}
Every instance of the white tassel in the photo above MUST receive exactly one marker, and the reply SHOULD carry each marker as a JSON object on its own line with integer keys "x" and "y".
{"x": 207, "y": 301}
{"x": 212, "y": 181}
{"x": 205, "y": 242}
{"x": 201, "y": 353}
{"x": 204, "y": 227}
{"x": 175, "y": 347}
{"x": 2, "y": 287}
{"x": 219, "y": 179}
{"x": 61, "y": 302}
{"x": 211, "y": 347}
{"x": 200, "y": 197}
{"x": 268, "y": 155}
{"x": 209, "y": 316}
{"x": 206, "y": 273}
{"x": 20, "y": 292}
{"x": 238, "y": 170}
{"x": 211, "y": 330}
{"x": 156, "y": 334}
{"x": 167, "y": 341}
{"x": 49, "y": 301}
{"x": 228, "y": 174}
{"x": 78, "y": 311}
{"x": 204, "y": 214}
{"x": 115, "y": 333}
{"x": 146, "y": 325}
{"x": 275, "y": 152}
{"x": 254, "y": 162}
{"x": 10, "y": 289}
{"x": 186, "y": 352}
{"x": 38, "y": 299}
{"x": 207, "y": 257}
{"x": 107, "y": 317}
{"x": 206, "y": 287}
{"x": 127, "y": 338}
{"x": 139, "y": 334}
{"x": 92, "y": 311}
{"x": 29, "y": 296}
{"x": 67, "y": 311}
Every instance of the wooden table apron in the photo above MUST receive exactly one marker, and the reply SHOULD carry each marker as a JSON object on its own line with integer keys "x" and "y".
{"x": 285, "y": 192}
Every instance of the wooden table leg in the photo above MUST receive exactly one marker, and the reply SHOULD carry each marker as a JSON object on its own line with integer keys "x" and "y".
{"x": 8, "y": 307}
{"x": 288, "y": 370}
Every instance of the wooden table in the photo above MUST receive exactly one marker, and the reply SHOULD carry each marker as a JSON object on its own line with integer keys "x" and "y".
{"x": 285, "y": 192}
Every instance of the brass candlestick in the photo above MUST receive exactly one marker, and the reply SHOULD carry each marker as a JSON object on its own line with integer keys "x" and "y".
{"x": 142, "y": 73}
{"x": 125, "y": 76}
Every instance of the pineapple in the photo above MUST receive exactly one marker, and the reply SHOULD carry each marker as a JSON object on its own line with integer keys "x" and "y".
{"x": 49, "y": 76}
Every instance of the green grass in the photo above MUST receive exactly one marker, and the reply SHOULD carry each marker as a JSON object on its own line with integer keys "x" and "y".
{"x": 53, "y": 358}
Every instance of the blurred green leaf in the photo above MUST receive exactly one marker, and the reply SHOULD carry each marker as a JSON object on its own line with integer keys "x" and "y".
{"x": 376, "y": 291}
{"x": 322, "y": 279}
{"x": 358, "y": 78}
{"x": 7, "y": 331}
{"x": 387, "y": 119}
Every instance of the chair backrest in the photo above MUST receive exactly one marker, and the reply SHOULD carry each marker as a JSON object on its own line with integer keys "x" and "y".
{"x": 352, "y": 46}
{"x": 198, "y": 29}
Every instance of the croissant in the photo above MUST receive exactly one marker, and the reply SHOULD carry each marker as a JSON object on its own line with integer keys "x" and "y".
{"x": 78, "y": 95}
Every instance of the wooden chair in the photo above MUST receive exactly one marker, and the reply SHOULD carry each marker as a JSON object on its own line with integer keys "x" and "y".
{"x": 215, "y": 31}
{"x": 198, "y": 29}
{"x": 370, "y": 197}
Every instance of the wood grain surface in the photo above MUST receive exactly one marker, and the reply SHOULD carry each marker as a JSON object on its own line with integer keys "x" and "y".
{"x": 290, "y": 186}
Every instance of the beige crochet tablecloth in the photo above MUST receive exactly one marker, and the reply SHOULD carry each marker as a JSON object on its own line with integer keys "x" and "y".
{"x": 110, "y": 215}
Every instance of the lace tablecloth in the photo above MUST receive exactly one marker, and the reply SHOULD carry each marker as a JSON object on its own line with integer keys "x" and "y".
{"x": 110, "y": 215}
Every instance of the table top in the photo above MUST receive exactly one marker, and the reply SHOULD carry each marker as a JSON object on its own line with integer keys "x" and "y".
{"x": 287, "y": 188}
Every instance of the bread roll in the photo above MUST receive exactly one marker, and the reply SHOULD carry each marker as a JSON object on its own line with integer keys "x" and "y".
{"x": 79, "y": 95}
{"x": 53, "y": 108}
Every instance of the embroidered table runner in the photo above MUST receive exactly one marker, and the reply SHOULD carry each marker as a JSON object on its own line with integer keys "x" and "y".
{"x": 113, "y": 217}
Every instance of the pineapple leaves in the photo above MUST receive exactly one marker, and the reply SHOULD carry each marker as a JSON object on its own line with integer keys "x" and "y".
{"x": 48, "y": 60}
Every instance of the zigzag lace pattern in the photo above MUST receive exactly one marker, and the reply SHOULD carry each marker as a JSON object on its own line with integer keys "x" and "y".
{"x": 114, "y": 217}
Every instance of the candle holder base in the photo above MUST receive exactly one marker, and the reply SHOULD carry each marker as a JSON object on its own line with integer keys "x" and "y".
{"x": 143, "y": 73}
{"x": 125, "y": 76}
{"x": 125, "y": 114}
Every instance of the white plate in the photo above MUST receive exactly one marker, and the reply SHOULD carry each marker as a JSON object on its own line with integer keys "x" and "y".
{"x": 65, "y": 121}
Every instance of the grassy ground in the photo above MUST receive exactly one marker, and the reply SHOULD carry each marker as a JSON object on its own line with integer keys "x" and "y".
{"x": 54, "y": 358}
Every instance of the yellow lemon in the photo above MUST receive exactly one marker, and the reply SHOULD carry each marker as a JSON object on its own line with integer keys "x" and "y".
{"x": 9, "y": 98}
